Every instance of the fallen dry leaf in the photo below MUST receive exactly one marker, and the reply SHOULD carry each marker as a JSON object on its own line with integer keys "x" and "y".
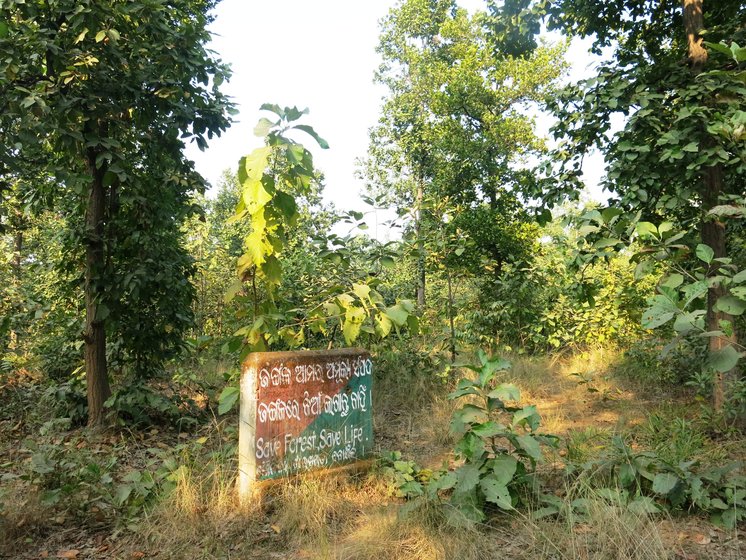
{"x": 73, "y": 553}
{"x": 702, "y": 539}
{"x": 137, "y": 555}
{"x": 276, "y": 528}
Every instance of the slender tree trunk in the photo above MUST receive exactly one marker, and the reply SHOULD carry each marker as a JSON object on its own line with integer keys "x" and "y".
{"x": 713, "y": 231}
{"x": 450, "y": 315}
{"x": 419, "y": 197}
{"x": 95, "y": 333}
{"x": 17, "y": 252}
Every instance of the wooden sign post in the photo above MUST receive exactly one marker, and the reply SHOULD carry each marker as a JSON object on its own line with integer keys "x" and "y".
{"x": 303, "y": 411}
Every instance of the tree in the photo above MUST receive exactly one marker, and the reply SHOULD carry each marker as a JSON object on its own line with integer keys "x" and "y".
{"x": 454, "y": 125}
{"x": 678, "y": 160}
{"x": 109, "y": 90}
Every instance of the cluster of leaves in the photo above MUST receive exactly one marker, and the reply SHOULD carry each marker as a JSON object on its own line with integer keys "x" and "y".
{"x": 271, "y": 178}
{"x": 499, "y": 444}
{"x": 560, "y": 298}
{"x": 70, "y": 475}
{"x": 499, "y": 441}
{"x": 653, "y": 483}
{"x": 406, "y": 479}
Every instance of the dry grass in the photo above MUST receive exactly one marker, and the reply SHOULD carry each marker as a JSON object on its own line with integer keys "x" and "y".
{"x": 22, "y": 516}
{"x": 421, "y": 532}
{"x": 604, "y": 530}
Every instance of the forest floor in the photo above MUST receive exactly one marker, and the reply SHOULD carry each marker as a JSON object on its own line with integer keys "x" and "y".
{"x": 104, "y": 479}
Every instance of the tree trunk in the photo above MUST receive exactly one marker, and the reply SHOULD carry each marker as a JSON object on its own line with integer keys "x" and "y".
{"x": 713, "y": 231}
{"x": 17, "y": 305}
{"x": 450, "y": 316}
{"x": 420, "y": 244}
{"x": 97, "y": 380}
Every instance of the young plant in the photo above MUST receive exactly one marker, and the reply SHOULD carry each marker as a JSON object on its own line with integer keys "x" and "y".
{"x": 499, "y": 442}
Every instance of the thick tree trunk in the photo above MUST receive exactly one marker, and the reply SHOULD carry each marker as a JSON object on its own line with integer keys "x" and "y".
{"x": 419, "y": 197}
{"x": 713, "y": 231}
{"x": 95, "y": 334}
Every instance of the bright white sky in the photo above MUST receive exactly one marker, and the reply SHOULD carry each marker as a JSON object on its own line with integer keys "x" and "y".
{"x": 318, "y": 54}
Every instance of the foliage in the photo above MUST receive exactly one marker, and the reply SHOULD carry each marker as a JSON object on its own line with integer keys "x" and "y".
{"x": 405, "y": 478}
{"x": 499, "y": 442}
{"x": 645, "y": 476}
{"x": 97, "y": 99}
{"x": 271, "y": 177}
{"x": 551, "y": 302}
{"x": 677, "y": 159}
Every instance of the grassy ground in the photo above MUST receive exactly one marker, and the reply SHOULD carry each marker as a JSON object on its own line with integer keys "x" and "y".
{"x": 108, "y": 510}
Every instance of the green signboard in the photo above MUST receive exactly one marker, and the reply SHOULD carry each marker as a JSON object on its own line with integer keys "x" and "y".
{"x": 302, "y": 411}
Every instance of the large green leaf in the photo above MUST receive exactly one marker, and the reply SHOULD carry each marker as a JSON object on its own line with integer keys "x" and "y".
{"x": 308, "y": 130}
{"x": 705, "y": 253}
{"x": 496, "y": 492}
{"x": 505, "y": 392}
{"x": 731, "y": 305}
{"x": 398, "y": 314}
{"x": 531, "y": 447}
{"x": 504, "y": 468}
{"x": 725, "y": 359}
{"x": 664, "y": 483}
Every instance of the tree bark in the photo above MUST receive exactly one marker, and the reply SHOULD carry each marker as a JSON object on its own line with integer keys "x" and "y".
{"x": 712, "y": 232}
{"x": 97, "y": 380}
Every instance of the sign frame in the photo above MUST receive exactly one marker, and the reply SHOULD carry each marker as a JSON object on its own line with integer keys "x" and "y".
{"x": 339, "y": 379}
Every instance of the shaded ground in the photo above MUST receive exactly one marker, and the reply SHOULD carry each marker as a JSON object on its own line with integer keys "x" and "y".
{"x": 347, "y": 517}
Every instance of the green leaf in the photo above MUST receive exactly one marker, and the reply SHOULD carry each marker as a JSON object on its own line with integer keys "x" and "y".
{"x": 4, "y": 30}
{"x": 664, "y": 483}
{"x": 272, "y": 270}
{"x": 227, "y": 399}
{"x": 505, "y": 392}
{"x": 504, "y": 468}
{"x": 531, "y": 447}
{"x": 231, "y": 292}
{"x": 470, "y": 413}
{"x": 467, "y": 477}
{"x": 287, "y": 205}
{"x": 643, "y": 505}
{"x": 604, "y": 243}
{"x": 100, "y": 36}
{"x": 725, "y": 359}
{"x": 496, "y": 492}
{"x": 383, "y": 325}
{"x": 527, "y": 415}
{"x": 731, "y": 305}
{"x": 646, "y": 229}
{"x": 688, "y": 322}
{"x": 705, "y": 253}
{"x": 398, "y": 314}
{"x": 310, "y": 131}
{"x": 655, "y": 316}
{"x": 274, "y": 108}
{"x": 627, "y": 475}
{"x": 387, "y": 262}
{"x": 673, "y": 281}
{"x": 487, "y": 429}
{"x": 123, "y": 494}
{"x": 263, "y": 127}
